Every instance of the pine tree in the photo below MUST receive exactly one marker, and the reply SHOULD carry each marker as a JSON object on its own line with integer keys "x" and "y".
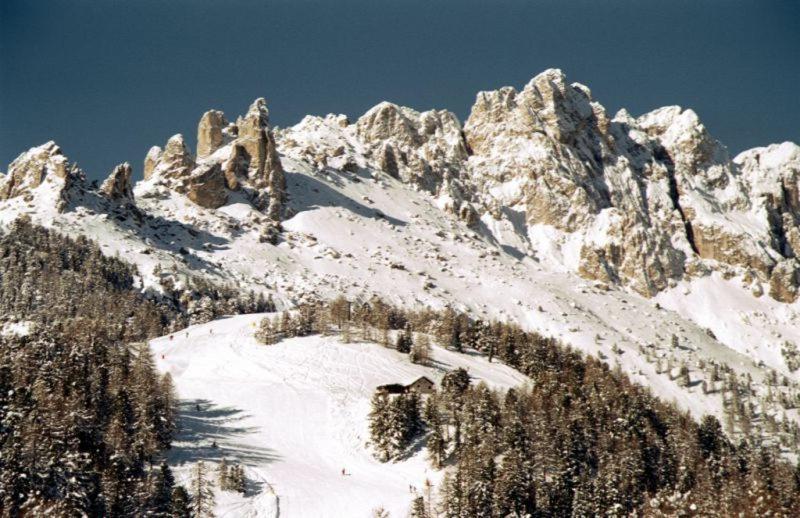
{"x": 160, "y": 504}
{"x": 418, "y": 509}
{"x": 181, "y": 503}
{"x": 266, "y": 333}
{"x": 223, "y": 476}
{"x": 237, "y": 479}
{"x": 202, "y": 492}
{"x": 421, "y": 350}
{"x": 379, "y": 426}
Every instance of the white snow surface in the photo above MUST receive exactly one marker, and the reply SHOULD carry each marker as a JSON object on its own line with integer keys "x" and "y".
{"x": 364, "y": 234}
{"x": 295, "y": 414}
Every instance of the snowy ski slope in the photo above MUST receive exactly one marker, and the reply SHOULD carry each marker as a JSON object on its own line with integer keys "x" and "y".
{"x": 295, "y": 414}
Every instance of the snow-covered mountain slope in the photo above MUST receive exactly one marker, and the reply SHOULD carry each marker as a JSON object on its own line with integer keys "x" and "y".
{"x": 612, "y": 234}
{"x": 295, "y": 414}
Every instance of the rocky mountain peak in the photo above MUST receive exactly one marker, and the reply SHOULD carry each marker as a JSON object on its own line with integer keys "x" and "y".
{"x": 40, "y": 165}
{"x": 424, "y": 149}
{"x": 118, "y": 186}
{"x": 175, "y": 161}
{"x": 210, "y": 133}
{"x": 230, "y": 157}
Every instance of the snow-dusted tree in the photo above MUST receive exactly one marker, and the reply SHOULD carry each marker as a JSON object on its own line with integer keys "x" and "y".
{"x": 223, "y": 475}
{"x": 418, "y": 508}
{"x": 202, "y": 492}
{"x": 236, "y": 479}
{"x": 421, "y": 350}
{"x": 181, "y": 503}
{"x": 201, "y": 311}
{"x": 380, "y": 426}
{"x": 404, "y": 340}
{"x": 266, "y": 332}
{"x": 160, "y": 502}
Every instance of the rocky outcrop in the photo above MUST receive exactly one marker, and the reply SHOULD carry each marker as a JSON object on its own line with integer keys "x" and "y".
{"x": 210, "y": 133}
{"x": 235, "y": 167}
{"x": 230, "y": 157}
{"x": 174, "y": 162}
{"x": 151, "y": 160}
{"x": 31, "y": 168}
{"x": 424, "y": 149}
{"x": 40, "y": 165}
{"x": 206, "y": 186}
{"x": 642, "y": 202}
{"x": 117, "y": 186}
{"x": 784, "y": 281}
{"x": 649, "y": 197}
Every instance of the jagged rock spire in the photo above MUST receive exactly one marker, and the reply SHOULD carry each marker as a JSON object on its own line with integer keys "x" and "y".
{"x": 118, "y": 186}
{"x": 258, "y": 144}
{"x": 210, "y": 135}
{"x": 45, "y": 163}
{"x": 151, "y": 160}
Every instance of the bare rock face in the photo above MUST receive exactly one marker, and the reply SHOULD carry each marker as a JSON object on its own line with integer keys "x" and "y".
{"x": 118, "y": 185}
{"x": 424, "y": 149}
{"x": 265, "y": 170}
{"x": 784, "y": 282}
{"x": 41, "y": 165}
{"x": 210, "y": 133}
{"x": 648, "y": 196}
{"x": 231, "y": 157}
{"x": 252, "y": 130}
{"x": 552, "y": 153}
{"x": 206, "y": 186}
{"x": 151, "y": 160}
{"x": 175, "y": 161}
{"x": 31, "y": 168}
{"x": 235, "y": 167}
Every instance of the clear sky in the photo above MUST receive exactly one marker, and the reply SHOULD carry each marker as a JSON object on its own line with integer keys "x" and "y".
{"x": 107, "y": 79}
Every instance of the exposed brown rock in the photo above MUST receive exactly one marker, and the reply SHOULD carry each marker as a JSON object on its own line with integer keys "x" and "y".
{"x": 206, "y": 186}
{"x": 176, "y": 160}
{"x": 151, "y": 160}
{"x": 34, "y": 167}
{"x": 424, "y": 149}
{"x": 784, "y": 282}
{"x": 118, "y": 186}
{"x": 210, "y": 133}
{"x": 235, "y": 168}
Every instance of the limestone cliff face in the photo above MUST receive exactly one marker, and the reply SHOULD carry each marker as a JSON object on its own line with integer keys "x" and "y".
{"x": 643, "y": 202}
{"x": 424, "y": 149}
{"x": 118, "y": 186}
{"x": 652, "y": 199}
{"x": 210, "y": 133}
{"x": 230, "y": 157}
{"x": 40, "y": 165}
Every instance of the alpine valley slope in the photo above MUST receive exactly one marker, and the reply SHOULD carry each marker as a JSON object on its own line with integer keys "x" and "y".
{"x": 612, "y": 233}
{"x": 295, "y": 414}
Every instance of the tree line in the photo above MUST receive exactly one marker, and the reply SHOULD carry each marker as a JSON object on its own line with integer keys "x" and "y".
{"x": 580, "y": 440}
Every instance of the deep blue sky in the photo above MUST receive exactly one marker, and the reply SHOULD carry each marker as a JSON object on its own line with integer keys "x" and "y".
{"x": 107, "y": 79}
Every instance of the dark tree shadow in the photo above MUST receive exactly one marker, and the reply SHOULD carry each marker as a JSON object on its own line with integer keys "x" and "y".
{"x": 175, "y": 237}
{"x": 211, "y": 434}
{"x": 310, "y": 193}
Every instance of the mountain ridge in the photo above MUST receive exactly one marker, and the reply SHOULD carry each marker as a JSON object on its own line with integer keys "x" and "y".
{"x": 610, "y": 233}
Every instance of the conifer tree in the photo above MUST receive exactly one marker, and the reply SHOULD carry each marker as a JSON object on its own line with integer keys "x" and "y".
{"x": 379, "y": 426}
{"x": 223, "y": 476}
{"x": 181, "y": 503}
{"x": 161, "y": 495}
{"x": 202, "y": 492}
